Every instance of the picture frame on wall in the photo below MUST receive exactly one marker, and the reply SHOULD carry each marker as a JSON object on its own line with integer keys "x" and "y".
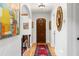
{"x": 32, "y": 24}
{"x": 59, "y": 18}
{"x": 26, "y": 25}
{"x": 12, "y": 25}
{"x": 49, "y": 25}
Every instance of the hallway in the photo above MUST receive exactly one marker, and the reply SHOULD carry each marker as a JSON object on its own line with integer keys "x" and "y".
{"x": 39, "y": 29}
{"x": 42, "y": 29}
{"x": 31, "y": 51}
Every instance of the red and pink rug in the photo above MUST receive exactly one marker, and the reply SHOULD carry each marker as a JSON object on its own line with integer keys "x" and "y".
{"x": 42, "y": 50}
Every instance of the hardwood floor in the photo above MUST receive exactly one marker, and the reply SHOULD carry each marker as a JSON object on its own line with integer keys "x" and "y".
{"x": 31, "y": 51}
{"x": 51, "y": 49}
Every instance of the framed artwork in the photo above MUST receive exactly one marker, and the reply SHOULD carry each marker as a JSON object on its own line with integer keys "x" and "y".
{"x": 10, "y": 21}
{"x": 26, "y": 25}
{"x": 49, "y": 25}
{"x": 59, "y": 18}
{"x": 32, "y": 24}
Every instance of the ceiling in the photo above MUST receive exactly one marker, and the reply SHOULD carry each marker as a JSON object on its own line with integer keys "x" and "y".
{"x": 34, "y": 7}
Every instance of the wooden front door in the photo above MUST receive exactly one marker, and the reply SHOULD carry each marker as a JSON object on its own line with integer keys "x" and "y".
{"x": 41, "y": 30}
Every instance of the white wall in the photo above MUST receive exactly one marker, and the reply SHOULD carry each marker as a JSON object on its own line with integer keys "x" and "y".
{"x": 66, "y": 42}
{"x": 36, "y": 15}
{"x": 26, "y": 19}
{"x": 70, "y": 29}
{"x": 52, "y": 28}
{"x": 60, "y": 38}
{"x": 77, "y": 28}
{"x": 73, "y": 29}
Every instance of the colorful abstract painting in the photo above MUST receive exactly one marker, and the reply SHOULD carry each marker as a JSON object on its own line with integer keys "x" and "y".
{"x": 9, "y": 20}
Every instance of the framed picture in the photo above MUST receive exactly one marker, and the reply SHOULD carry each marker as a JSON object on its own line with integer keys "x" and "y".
{"x": 32, "y": 24}
{"x": 59, "y": 18}
{"x": 49, "y": 25}
{"x": 10, "y": 27}
{"x": 26, "y": 25}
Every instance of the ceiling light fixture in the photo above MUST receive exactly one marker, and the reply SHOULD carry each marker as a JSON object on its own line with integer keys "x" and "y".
{"x": 41, "y": 5}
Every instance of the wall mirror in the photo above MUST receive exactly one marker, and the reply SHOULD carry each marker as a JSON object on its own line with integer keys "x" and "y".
{"x": 59, "y": 18}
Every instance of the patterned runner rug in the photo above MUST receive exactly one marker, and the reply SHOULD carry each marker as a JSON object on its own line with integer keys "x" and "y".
{"x": 42, "y": 50}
